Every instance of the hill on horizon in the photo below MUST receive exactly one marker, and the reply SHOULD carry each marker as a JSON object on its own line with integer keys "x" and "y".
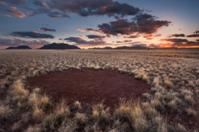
{"x": 20, "y": 47}
{"x": 59, "y": 46}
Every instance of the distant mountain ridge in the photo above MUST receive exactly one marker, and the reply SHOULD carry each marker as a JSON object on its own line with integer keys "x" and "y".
{"x": 126, "y": 47}
{"x": 59, "y": 46}
{"x": 20, "y": 47}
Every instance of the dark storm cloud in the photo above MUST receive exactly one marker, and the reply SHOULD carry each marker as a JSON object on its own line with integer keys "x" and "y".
{"x": 32, "y": 35}
{"x": 88, "y": 7}
{"x": 178, "y": 35}
{"x": 143, "y": 23}
{"x": 45, "y": 29}
{"x": 81, "y": 41}
{"x": 95, "y": 36}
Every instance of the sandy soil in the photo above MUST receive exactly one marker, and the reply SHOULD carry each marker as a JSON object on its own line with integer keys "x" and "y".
{"x": 90, "y": 86}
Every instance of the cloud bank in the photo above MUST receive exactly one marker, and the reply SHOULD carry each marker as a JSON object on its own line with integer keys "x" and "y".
{"x": 34, "y": 35}
{"x": 143, "y": 23}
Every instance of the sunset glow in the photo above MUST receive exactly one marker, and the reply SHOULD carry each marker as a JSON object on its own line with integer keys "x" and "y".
{"x": 100, "y": 24}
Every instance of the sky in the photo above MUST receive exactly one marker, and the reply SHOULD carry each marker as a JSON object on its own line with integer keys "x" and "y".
{"x": 100, "y": 23}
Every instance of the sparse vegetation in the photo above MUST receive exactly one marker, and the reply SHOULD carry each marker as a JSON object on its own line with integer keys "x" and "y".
{"x": 171, "y": 104}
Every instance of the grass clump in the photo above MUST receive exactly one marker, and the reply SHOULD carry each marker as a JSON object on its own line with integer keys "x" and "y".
{"x": 18, "y": 90}
{"x": 133, "y": 114}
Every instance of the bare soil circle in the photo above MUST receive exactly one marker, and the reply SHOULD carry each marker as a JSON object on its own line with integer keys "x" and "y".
{"x": 89, "y": 86}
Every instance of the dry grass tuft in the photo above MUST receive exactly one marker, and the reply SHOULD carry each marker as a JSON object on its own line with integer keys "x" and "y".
{"x": 18, "y": 90}
{"x": 62, "y": 108}
{"x": 33, "y": 129}
{"x": 99, "y": 111}
{"x": 133, "y": 112}
{"x": 38, "y": 113}
{"x": 191, "y": 112}
{"x": 36, "y": 99}
{"x": 80, "y": 117}
{"x": 4, "y": 110}
{"x": 167, "y": 82}
{"x": 141, "y": 74}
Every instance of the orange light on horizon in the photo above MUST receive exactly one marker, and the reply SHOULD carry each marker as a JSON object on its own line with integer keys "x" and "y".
{"x": 167, "y": 45}
{"x": 189, "y": 47}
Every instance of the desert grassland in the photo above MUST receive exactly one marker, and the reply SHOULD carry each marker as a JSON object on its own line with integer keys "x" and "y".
{"x": 171, "y": 105}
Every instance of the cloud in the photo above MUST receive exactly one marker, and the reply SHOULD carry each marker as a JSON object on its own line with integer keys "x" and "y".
{"x": 117, "y": 27}
{"x": 193, "y": 35}
{"x": 143, "y": 23}
{"x": 178, "y": 35}
{"x": 187, "y": 45}
{"x": 139, "y": 46}
{"x": 147, "y": 23}
{"x": 32, "y": 35}
{"x": 90, "y": 30}
{"x": 88, "y": 7}
{"x": 45, "y": 29}
{"x": 13, "y": 2}
{"x": 80, "y": 41}
{"x": 95, "y": 36}
{"x": 196, "y": 32}
{"x": 176, "y": 40}
{"x": 56, "y": 14}
{"x": 14, "y": 11}
{"x": 16, "y": 8}
{"x": 133, "y": 36}
{"x": 77, "y": 40}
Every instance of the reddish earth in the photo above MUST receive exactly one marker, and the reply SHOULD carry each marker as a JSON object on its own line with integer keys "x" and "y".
{"x": 89, "y": 86}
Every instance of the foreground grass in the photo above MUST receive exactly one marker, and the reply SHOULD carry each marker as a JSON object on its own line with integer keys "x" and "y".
{"x": 31, "y": 111}
{"x": 170, "y": 106}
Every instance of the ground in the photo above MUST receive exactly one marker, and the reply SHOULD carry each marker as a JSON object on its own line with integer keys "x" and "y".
{"x": 170, "y": 104}
{"x": 90, "y": 86}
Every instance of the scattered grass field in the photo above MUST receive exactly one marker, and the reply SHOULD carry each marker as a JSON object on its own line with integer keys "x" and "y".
{"x": 169, "y": 104}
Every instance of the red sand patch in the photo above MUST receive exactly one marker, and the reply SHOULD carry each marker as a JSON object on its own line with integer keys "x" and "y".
{"x": 89, "y": 86}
